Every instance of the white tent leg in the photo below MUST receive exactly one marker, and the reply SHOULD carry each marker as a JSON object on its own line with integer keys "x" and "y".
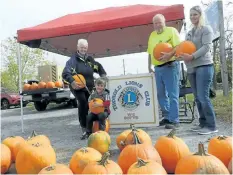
{"x": 20, "y": 85}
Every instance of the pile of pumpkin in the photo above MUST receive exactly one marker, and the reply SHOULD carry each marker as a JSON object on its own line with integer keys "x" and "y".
{"x": 170, "y": 154}
{"x": 42, "y": 85}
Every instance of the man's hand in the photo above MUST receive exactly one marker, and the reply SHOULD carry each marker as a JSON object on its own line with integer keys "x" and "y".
{"x": 75, "y": 85}
{"x": 165, "y": 56}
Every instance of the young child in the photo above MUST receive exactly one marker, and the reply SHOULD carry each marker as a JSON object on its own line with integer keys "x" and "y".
{"x": 102, "y": 93}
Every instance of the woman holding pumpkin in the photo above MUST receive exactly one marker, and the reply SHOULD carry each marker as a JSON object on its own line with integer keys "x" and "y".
{"x": 200, "y": 70}
{"x": 82, "y": 64}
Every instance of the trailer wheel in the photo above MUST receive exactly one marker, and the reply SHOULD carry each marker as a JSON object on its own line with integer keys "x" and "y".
{"x": 40, "y": 106}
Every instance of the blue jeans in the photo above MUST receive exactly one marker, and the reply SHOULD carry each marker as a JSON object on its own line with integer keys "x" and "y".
{"x": 201, "y": 80}
{"x": 167, "y": 82}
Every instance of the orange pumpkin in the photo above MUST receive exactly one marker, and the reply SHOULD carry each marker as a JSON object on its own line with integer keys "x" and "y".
{"x": 146, "y": 167}
{"x": 42, "y": 139}
{"x": 13, "y": 142}
{"x": 95, "y": 127}
{"x": 26, "y": 87}
{"x": 131, "y": 153}
{"x": 32, "y": 158}
{"x": 161, "y": 47}
{"x": 142, "y": 135}
{"x": 34, "y": 86}
{"x": 50, "y": 85}
{"x": 100, "y": 141}
{"x": 96, "y": 110}
{"x": 82, "y": 157}
{"x": 171, "y": 146}
{"x": 103, "y": 166}
{"x": 185, "y": 47}
{"x": 80, "y": 80}
{"x": 120, "y": 140}
{"x": 200, "y": 161}
{"x": 230, "y": 166}
{"x": 5, "y": 158}
{"x": 56, "y": 169}
{"x": 58, "y": 84}
{"x": 221, "y": 147}
{"x": 42, "y": 85}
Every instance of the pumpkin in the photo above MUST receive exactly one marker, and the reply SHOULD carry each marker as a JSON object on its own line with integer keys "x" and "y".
{"x": 120, "y": 140}
{"x": 56, "y": 169}
{"x": 58, "y": 84}
{"x": 221, "y": 147}
{"x": 32, "y": 158}
{"x": 50, "y": 85}
{"x": 146, "y": 167}
{"x": 230, "y": 166}
{"x": 185, "y": 47}
{"x": 80, "y": 80}
{"x": 171, "y": 149}
{"x": 34, "y": 86}
{"x": 5, "y": 158}
{"x": 200, "y": 160}
{"x": 42, "y": 85}
{"x": 95, "y": 127}
{"x": 82, "y": 157}
{"x": 161, "y": 47}
{"x": 131, "y": 153}
{"x": 12, "y": 142}
{"x": 103, "y": 166}
{"x": 26, "y": 87}
{"x": 142, "y": 135}
{"x": 100, "y": 141}
{"x": 43, "y": 139}
{"x": 96, "y": 110}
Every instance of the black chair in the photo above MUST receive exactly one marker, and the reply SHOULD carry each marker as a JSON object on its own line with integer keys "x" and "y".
{"x": 184, "y": 104}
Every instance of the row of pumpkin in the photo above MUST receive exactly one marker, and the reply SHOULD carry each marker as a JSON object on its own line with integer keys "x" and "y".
{"x": 170, "y": 154}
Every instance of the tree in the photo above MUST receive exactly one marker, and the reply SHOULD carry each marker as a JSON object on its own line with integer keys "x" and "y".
{"x": 30, "y": 60}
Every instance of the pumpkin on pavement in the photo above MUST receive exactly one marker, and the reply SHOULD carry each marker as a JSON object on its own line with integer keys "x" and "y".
{"x": 32, "y": 158}
{"x": 56, "y": 169}
{"x": 103, "y": 166}
{"x": 161, "y": 47}
{"x": 95, "y": 127}
{"x": 5, "y": 158}
{"x": 80, "y": 80}
{"x": 13, "y": 142}
{"x": 96, "y": 110}
{"x": 132, "y": 152}
{"x": 35, "y": 138}
{"x": 221, "y": 147}
{"x": 146, "y": 167}
{"x": 120, "y": 140}
{"x": 82, "y": 157}
{"x": 200, "y": 161}
{"x": 171, "y": 149}
{"x": 100, "y": 141}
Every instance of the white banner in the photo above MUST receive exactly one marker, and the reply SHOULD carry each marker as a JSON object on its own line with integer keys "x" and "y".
{"x": 133, "y": 100}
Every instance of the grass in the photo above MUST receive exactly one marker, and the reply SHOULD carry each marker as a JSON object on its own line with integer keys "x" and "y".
{"x": 222, "y": 105}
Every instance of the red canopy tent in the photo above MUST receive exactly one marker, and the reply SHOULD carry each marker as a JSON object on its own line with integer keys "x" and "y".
{"x": 110, "y": 31}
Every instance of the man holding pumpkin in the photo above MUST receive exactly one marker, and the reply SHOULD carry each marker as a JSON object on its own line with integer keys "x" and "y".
{"x": 83, "y": 64}
{"x": 167, "y": 71}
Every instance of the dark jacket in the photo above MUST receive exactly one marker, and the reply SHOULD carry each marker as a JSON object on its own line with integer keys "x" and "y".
{"x": 87, "y": 67}
{"x": 105, "y": 96}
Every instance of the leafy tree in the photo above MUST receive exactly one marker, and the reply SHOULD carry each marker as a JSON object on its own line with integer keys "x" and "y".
{"x": 30, "y": 60}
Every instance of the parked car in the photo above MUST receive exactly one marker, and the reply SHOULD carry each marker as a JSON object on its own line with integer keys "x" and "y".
{"x": 9, "y": 98}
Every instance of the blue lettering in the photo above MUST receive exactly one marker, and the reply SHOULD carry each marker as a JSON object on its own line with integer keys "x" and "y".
{"x": 147, "y": 96}
{"x": 114, "y": 106}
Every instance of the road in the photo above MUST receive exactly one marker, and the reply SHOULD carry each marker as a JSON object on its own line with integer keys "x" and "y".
{"x": 61, "y": 125}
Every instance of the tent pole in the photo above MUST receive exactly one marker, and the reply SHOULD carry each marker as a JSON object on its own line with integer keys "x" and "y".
{"x": 20, "y": 85}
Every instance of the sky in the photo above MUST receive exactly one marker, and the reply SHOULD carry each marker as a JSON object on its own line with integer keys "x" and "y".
{"x": 18, "y": 14}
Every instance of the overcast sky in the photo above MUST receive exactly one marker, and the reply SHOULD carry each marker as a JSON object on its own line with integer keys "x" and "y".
{"x": 18, "y": 14}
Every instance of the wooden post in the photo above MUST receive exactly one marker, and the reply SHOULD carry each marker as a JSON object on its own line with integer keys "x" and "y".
{"x": 224, "y": 71}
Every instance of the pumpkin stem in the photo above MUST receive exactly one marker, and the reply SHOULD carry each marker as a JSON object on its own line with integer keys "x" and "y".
{"x": 84, "y": 150}
{"x": 104, "y": 159}
{"x": 201, "y": 150}
{"x": 34, "y": 134}
{"x": 141, "y": 163}
{"x": 222, "y": 137}
{"x": 50, "y": 168}
{"x": 136, "y": 139}
{"x": 172, "y": 133}
{"x": 122, "y": 143}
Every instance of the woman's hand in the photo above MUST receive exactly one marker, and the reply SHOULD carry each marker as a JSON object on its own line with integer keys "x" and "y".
{"x": 186, "y": 57}
{"x": 165, "y": 57}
